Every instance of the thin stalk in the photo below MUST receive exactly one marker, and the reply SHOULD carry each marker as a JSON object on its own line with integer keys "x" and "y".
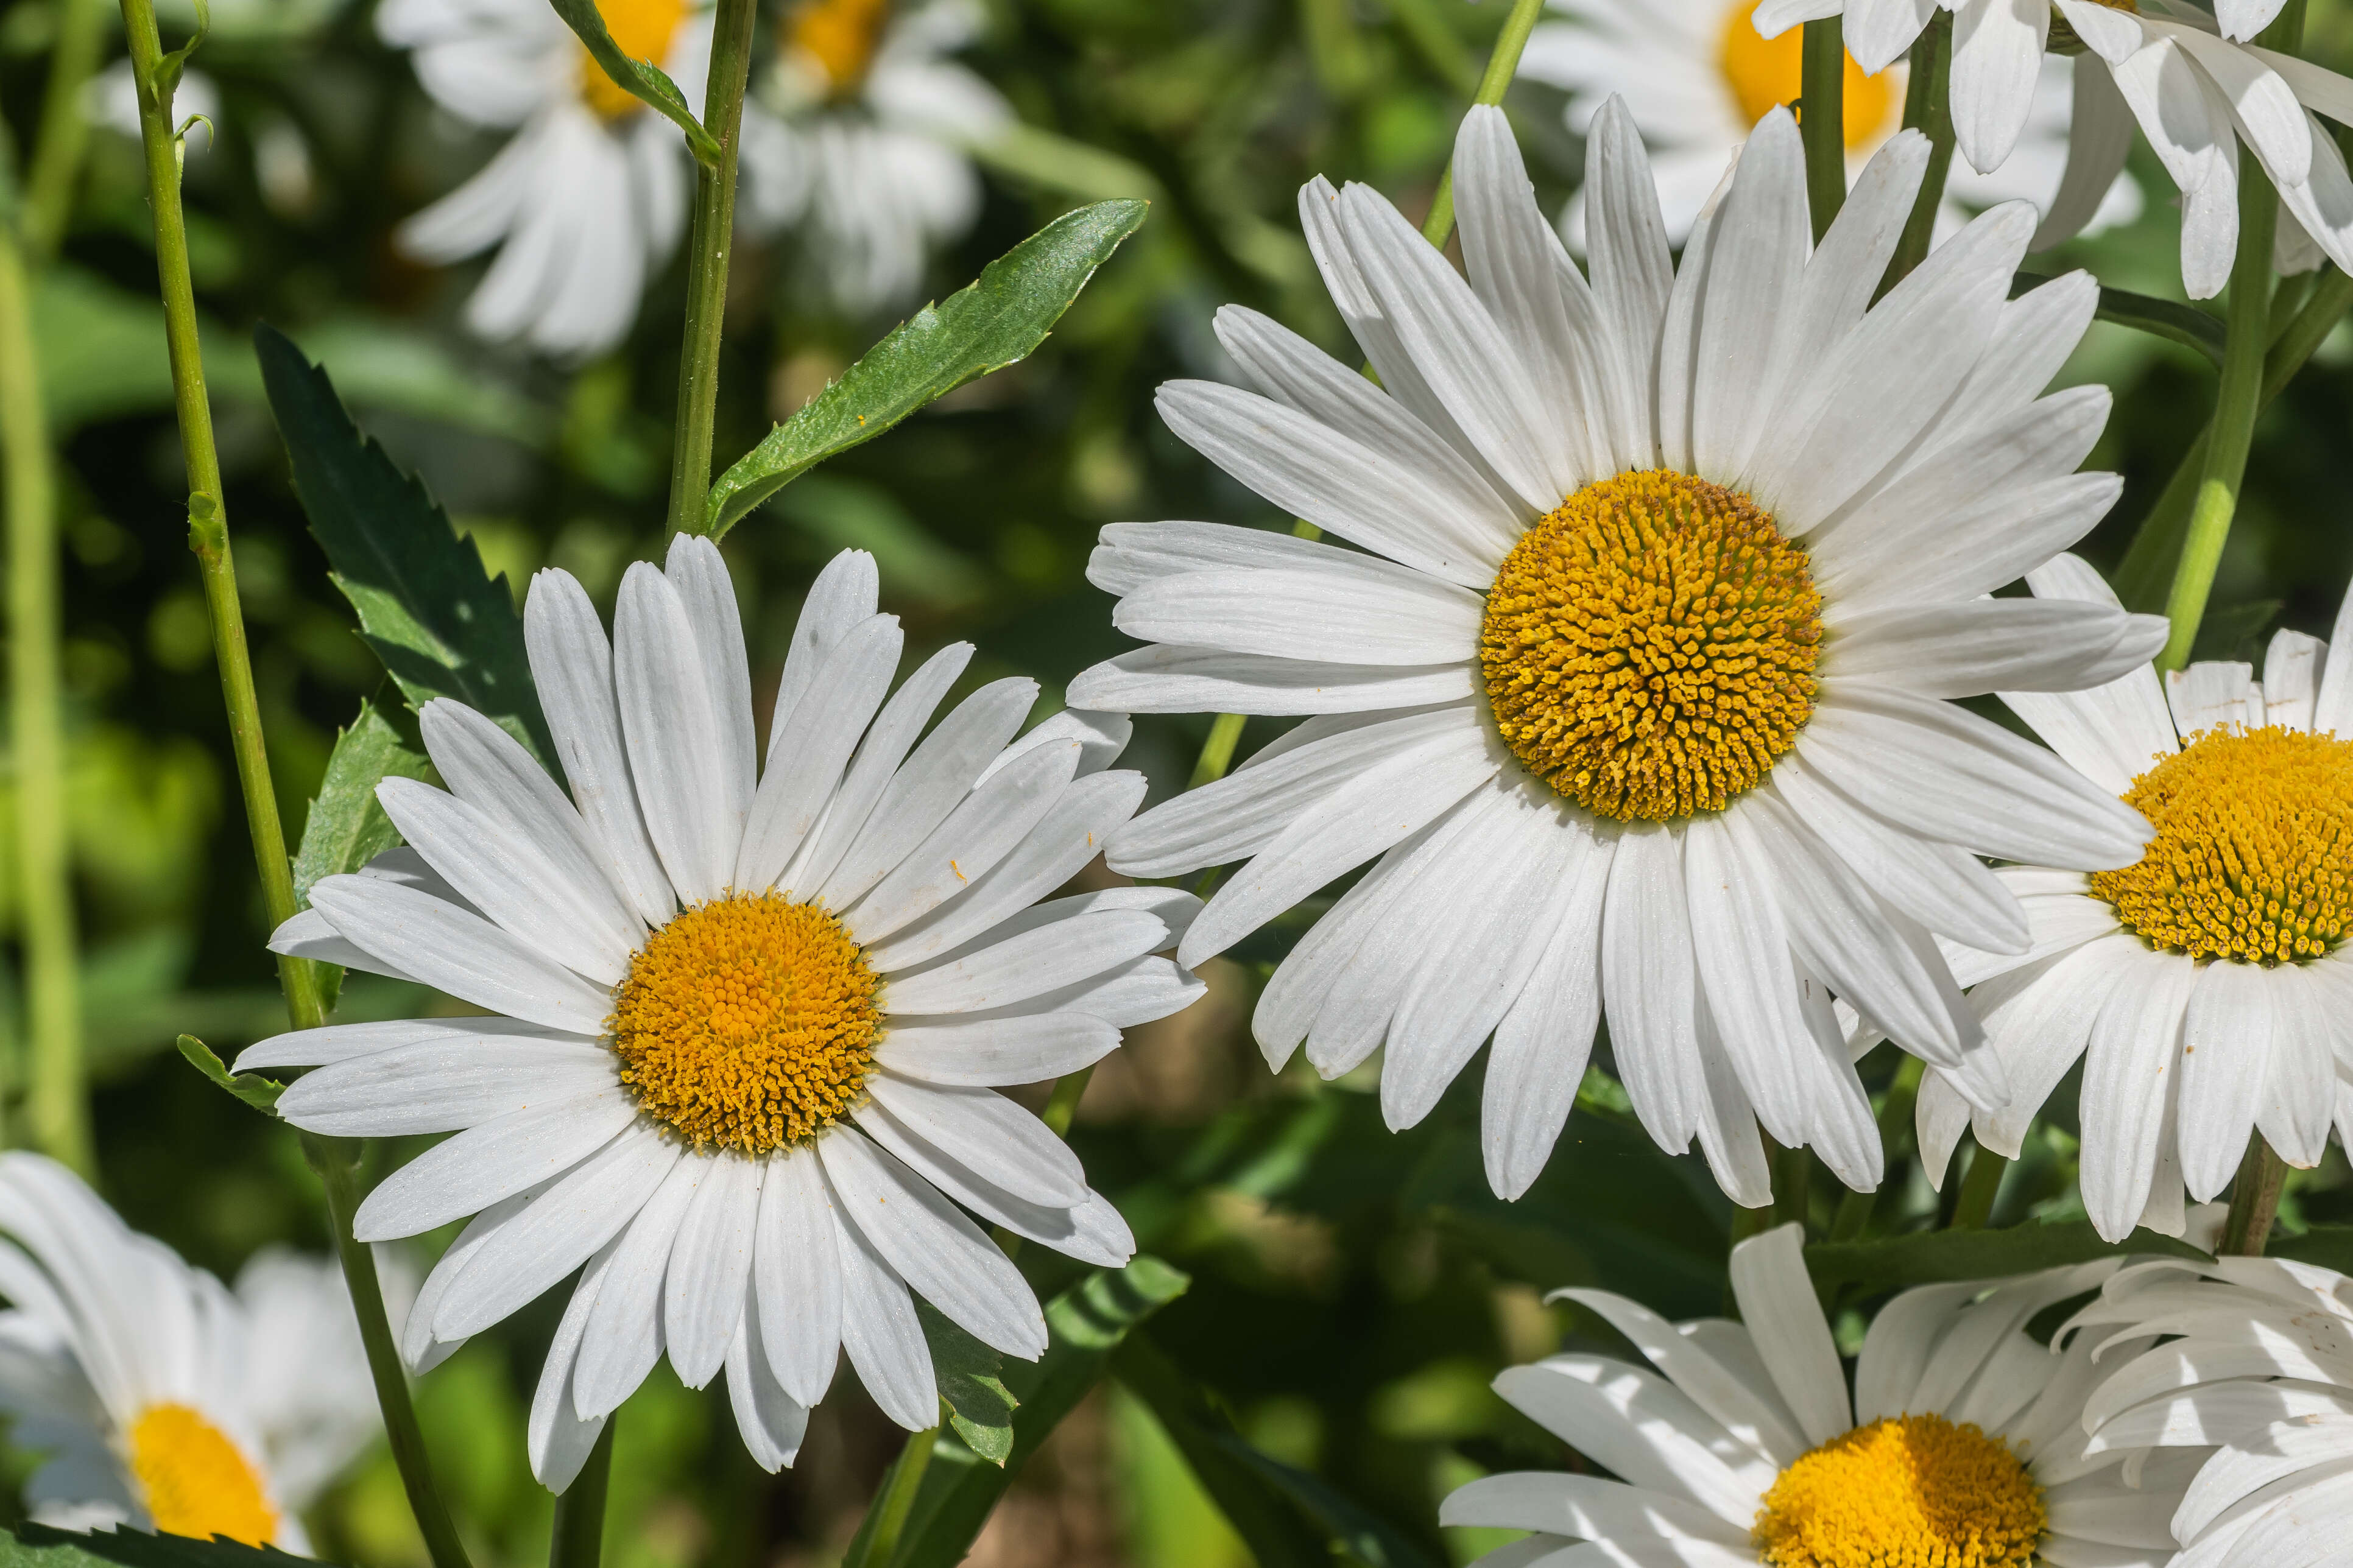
{"x": 578, "y": 1538}
{"x": 709, "y": 246}
{"x": 1854, "y": 1209}
{"x": 1063, "y": 1103}
{"x": 1927, "y": 108}
{"x": 1502, "y": 64}
{"x": 1822, "y": 119}
{"x": 1794, "y": 1201}
{"x": 876, "y": 1541}
{"x": 58, "y": 1101}
{"x": 2254, "y": 1201}
{"x": 335, "y": 1160}
{"x": 1217, "y": 750}
{"x": 65, "y": 129}
{"x": 1979, "y": 1189}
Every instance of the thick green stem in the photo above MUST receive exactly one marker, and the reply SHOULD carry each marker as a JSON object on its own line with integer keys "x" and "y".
{"x": 1502, "y": 64}
{"x": 1927, "y": 108}
{"x": 1822, "y": 119}
{"x": 709, "y": 246}
{"x": 2254, "y": 1201}
{"x": 1854, "y": 1209}
{"x": 56, "y": 1102}
{"x": 578, "y": 1539}
{"x": 1979, "y": 1189}
{"x": 65, "y": 128}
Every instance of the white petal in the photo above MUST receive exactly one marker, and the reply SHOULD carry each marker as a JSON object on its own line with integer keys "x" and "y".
{"x": 772, "y": 1422}
{"x": 1650, "y": 986}
{"x": 982, "y": 830}
{"x": 844, "y": 595}
{"x": 873, "y": 769}
{"x": 1632, "y": 275}
{"x": 1742, "y": 948}
{"x": 1541, "y": 1048}
{"x": 797, "y": 1275}
{"x": 1351, "y": 617}
{"x": 1028, "y": 965}
{"x": 2332, "y": 712}
{"x": 1777, "y": 1304}
{"x": 826, "y": 726}
{"x": 2290, "y": 671}
{"x": 2128, "y": 1078}
{"x": 556, "y": 1439}
{"x": 2099, "y": 136}
{"x": 2226, "y": 1049}
{"x": 673, "y": 736}
{"x": 343, "y": 1042}
{"x": 495, "y": 1160}
{"x": 704, "y": 1295}
{"x": 879, "y": 1331}
{"x": 442, "y": 1086}
{"x": 1992, "y": 645}
{"x": 1176, "y": 680}
{"x": 1762, "y": 235}
{"x": 1996, "y": 61}
{"x": 1639, "y": 1427}
{"x": 1092, "y": 1232}
{"x": 988, "y": 1133}
{"x": 2307, "y": 1046}
{"x": 695, "y": 569}
{"x": 463, "y": 954}
{"x": 623, "y": 1341}
{"x": 927, "y": 787}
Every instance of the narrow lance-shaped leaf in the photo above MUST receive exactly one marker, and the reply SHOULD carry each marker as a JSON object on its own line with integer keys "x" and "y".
{"x": 971, "y": 1381}
{"x": 261, "y": 1093}
{"x": 1941, "y": 1254}
{"x": 996, "y": 322}
{"x": 640, "y": 78}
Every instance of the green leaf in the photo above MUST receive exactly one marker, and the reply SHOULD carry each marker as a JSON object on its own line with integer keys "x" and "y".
{"x": 346, "y": 828}
{"x": 999, "y": 320}
{"x": 443, "y": 627}
{"x": 261, "y": 1093}
{"x": 43, "y": 1546}
{"x": 1355, "y": 1530}
{"x": 2170, "y": 318}
{"x": 1940, "y": 1255}
{"x": 980, "y": 1409}
{"x": 2328, "y": 1246}
{"x": 1083, "y": 1324}
{"x": 641, "y": 79}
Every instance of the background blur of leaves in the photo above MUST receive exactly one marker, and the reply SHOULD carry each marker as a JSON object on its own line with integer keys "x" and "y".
{"x": 1353, "y": 1291}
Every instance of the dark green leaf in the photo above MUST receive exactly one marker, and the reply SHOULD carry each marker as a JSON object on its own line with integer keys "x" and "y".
{"x": 2184, "y": 324}
{"x": 980, "y": 1410}
{"x": 442, "y": 625}
{"x": 2329, "y": 1246}
{"x": 2236, "y": 631}
{"x": 41, "y": 1546}
{"x": 346, "y": 828}
{"x": 261, "y": 1093}
{"x": 1084, "y": 1324}
{"x": 641, "y": 79}
{"x": 1941, "y": 1254}
{"x": 1001, "y": 319}
{"x": 1362, "y": 1534}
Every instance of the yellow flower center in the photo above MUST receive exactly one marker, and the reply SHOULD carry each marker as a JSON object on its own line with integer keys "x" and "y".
{"x": 748, "y": 1023}
{"x": 842, "y": 36}
{"x": 194, "y": 1481}
{"x": 1913, "y": 1492}
{"x": 1764, "y": 73}
{"x": 643, "y": 29}
{"x": 2254, "y": 855}
{"x": 1649, "y": 645}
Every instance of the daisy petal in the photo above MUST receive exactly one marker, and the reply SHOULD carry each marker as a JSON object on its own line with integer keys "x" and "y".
{"x": 673, "y": 736}
{"x": 703, "y": 1294}
{"x": 797, "y": 1275}
{"x": 494, "y": 1159}
{"x": 883, "y": 1335}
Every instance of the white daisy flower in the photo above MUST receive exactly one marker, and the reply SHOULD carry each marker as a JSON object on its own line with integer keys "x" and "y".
{"x": 857, "y": 138}
{"x": 2257, "y": 1382}
{"x": 1636, "y": 688}
{"x": 1697, "y": 76}
{"x": 2195, "y": 96}
{"x": 590, "y": 195}
{"x": 2207, "y": 987}
{"x": 1961, "y": 1443}
{"x": 745, "y": 1021}
{"x": 160, "y": 1399}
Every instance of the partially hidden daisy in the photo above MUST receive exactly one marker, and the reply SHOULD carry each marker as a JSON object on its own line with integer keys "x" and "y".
{"x": 1636, "y": 690}
{"x": 1962, "y": 1443}
{"x": 1697, "y": 76}
{"x": 156, "y": 1398}
{"x": 856, "y": 139}
{"x": 2253, "y": 1378}
{"x": 2195, "y": 88}
{"x": 2208, "y": 987}
{"x": 745, "y": 1013}
{"x": 589, "y": 194}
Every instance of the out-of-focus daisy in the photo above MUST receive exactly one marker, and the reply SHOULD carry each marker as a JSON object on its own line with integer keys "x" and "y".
{"x": 157, "y": 1397}
{"x": 2197, "y": 96}
{"x": 2208, "y": 987}
{"x": 1637, "y": 689}
{"x": 589, "y": 194}
{"x": 856, "y": 138}
{"x": 1697, "y": 76}
{"x": 2255, "y": 1379}
{"x": 746, "y": 1019}
{"x": 1961, "y": 1443}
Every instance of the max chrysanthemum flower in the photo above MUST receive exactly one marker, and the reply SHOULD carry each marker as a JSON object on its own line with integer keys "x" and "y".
{"x": 1962, "y": 1444}
{"x": 1636, "y": 691}
{"x": 159, "y": 1398}
{"x": 746, "y": 1018}
{"x": 2207, "y": 988}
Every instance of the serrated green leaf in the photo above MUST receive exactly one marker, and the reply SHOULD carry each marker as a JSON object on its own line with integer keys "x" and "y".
{"x": 443, "y": 625}
{"x": 1932, "y": 1256}
{"x": 43, "y": 1546}
{"x": 1083, "y": 1324}
{"x": 345, "y": 827}
{"x": 261, "y": 1093}
{"x": 980, "y": 1408}
{"x": 996, "y": 322}
{"x": 640, "y": 78}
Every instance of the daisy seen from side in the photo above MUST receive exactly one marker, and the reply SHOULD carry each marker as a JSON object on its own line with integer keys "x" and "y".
{"x": 745, "y": 1015}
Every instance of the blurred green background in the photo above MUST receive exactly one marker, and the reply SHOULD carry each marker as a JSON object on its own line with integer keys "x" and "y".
{"x": 1353, "y": 1291}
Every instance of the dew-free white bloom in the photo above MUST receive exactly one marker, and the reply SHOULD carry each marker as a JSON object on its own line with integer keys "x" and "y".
{"x": 158, "y": 1398}
{"x": 1697, "y": 76}
{"x": 1713, "y": 542}
{"x": 589, "y": 194}
{"x": 1746, "y": 1447}
{"x": 2208, "y": 989}
{"x": 856, "y": 139}
{"x": 747, "y": 1012}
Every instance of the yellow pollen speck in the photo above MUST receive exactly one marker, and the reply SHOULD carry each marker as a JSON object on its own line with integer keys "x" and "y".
{"x": 841, "y": 37}
{"x": 747, "y": 1023}
{"x": 2254, "y": 855}
{"x": 1764, "y": 73}
{"x": 1649, "y": 646}
{"x": 643, "y": 29}
{"x": 1915, "y": 1492}
{"x": 194, "y": 1481}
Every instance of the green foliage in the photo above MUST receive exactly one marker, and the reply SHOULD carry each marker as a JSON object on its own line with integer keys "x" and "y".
{"x": 1933, "y": 1256}
{"x": 261, "y": 1093}
{"x": 999, "y": 320}
{"x": 643, "y": 79}
{"x": 41, "y": 1546}
{"x": 345, "y": 827}
{"x": 980, "y": 1408}
{"x": 2169, "y": 318}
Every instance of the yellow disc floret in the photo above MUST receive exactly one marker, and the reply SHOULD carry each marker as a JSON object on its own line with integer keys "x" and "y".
{"x": 643, "y": 29}
{"x": 2254, "y": 855}
{"x": 194, "y": 1481}
{"x": 747, "y": 1023}
{"x": 1649, "y": 647}
{"x": 1915, "y": 1492}
{"x": 841, "y": 37}
{"x": 1764, "y": 73}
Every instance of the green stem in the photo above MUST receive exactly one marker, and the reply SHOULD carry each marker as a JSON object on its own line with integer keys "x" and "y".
{"x": 709, "y": 246}
{"x": 1795, "y": 1178}
{"x": 57, "y": 1102}
{"x": 876, "y": 1541}
{"x": 1854, "y": 1209}
{"x": 1822, "y": 119}
{"x": 1979, "y": 1189}
{"x": 1502, "y": 64}
{"x": 1063, "y": 1103}
{"x": 1217, "y": 750}
{"x": 1927, "y": 108}
{"x": 65, "y": 129}
{"x": 1435, "y": 39}
{"x": 578, "y": 1538}
{"x": 2254, "y": 1201}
